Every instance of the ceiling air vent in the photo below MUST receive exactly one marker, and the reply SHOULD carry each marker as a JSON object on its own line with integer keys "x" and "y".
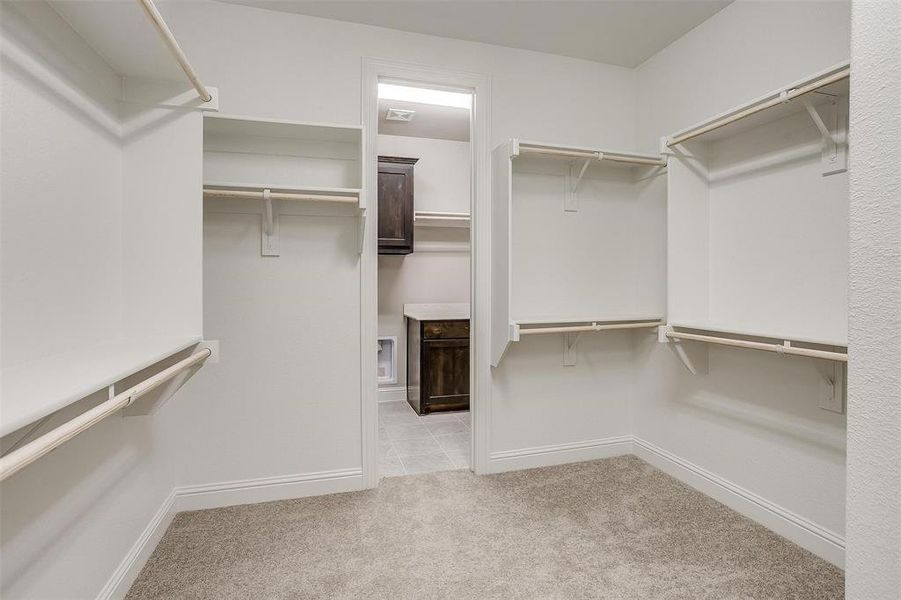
{"x": 399, "y": 114}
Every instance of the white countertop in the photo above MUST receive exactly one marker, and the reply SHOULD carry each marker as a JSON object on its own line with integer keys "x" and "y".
{"x": 437, "y": 312}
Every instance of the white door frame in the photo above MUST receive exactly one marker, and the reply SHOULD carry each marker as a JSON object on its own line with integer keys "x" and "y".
{"x": 480, "y": 385}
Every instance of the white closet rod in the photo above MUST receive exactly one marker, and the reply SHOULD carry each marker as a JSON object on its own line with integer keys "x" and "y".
{"x": 592, "y": 327}
{"x": 30, "y": 452}
{"x": 166, "y": 34}
{"x": 591, "y": 155}
{"x": 784, "y": 348}
{"x": 254, "y": 195}
{"x": 777, "y": 99}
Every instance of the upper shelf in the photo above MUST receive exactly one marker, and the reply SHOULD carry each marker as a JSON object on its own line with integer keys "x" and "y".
{"x": 241, "y": 126}
{"x": 36, "y": 389}
{"x": 290, "y": 156}
{"x": 817, "y": 89}
{"x": 570, "y": 153}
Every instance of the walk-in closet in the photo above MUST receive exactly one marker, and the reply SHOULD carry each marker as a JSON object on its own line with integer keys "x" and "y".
{"x": 443, "y": 299}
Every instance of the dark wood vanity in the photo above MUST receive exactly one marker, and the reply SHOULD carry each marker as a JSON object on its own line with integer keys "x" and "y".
{"x": 437, "y": 360}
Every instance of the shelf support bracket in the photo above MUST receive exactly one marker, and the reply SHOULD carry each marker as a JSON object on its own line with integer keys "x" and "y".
{"x": 818, "y": 121}
{"x": 570, "y": 345}
{"x": 571, "y": 202}
{"x": 692, "y": 354}
{"x": 269, "y": 229}
{"x": 834, "y": 152}
{"x": 833, "y": 386}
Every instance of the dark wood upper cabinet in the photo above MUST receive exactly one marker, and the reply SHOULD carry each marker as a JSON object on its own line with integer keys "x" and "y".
{"x": 395, "y": 187}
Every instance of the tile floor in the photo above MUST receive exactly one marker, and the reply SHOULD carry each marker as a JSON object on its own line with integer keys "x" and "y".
{"x": 410, "y": 444}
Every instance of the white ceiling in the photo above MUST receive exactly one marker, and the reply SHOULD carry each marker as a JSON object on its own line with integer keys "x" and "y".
{"x": 429, "y": 121}
{"x": 617, "y": 32}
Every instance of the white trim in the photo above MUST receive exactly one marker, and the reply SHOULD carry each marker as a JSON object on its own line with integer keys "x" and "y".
{"x": 817, "y": 539}
{"x": 558, "y": 454}
{"x": 393, "y": 393}
{"x": 267, "y": 489}
{"x": 480, "y": 209}
{"x": 124, "y": 576}
{"x": 217, "y": 495}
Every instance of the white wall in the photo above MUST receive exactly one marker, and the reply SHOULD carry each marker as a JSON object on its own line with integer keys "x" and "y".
{"x": 754, "y": 420}
{"x": 61, "y": 152}
{"x": 874, "y": 384}
{"x": 70, "y": 518}
{"x": 442, "y": 182}
{"x": 222, "y": 40}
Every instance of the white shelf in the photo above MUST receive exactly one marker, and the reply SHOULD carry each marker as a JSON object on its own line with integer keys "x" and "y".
{"x": 568, "y": 153}
{"x": 253, "y": 152}
{"x": 756, "y": 332}
{"x": 781, "y": 110}
{"x": 36, "y": 389}
{"x": 441, "y": 219}
{"x": 547, "y": 320}
{"x": 300, "y": 189}
{"x": 242, "y": 126}
{"x": 757, "y": 205}
{"x": 595, "y": 209}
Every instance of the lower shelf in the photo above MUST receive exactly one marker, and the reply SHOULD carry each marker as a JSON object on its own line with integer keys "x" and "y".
{"x": 36, "y": 389}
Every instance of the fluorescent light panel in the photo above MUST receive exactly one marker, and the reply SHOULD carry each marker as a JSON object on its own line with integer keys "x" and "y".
{"x": 391, "y": 91}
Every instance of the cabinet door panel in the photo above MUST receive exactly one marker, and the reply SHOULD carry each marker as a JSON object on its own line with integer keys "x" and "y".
{"x": 395, "y": 197}
{"x": 445, "y": 374}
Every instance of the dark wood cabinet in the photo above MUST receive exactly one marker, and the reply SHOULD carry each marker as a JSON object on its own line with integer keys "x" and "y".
{"x": 437, "y": 365}
{"x": 395, "y": 189}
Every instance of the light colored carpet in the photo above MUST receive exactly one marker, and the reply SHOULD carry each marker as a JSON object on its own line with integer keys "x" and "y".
{"x": 615, "y": 528}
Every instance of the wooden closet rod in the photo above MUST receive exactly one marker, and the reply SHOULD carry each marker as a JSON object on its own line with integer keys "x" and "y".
{"x": 30, "y": 452}
{"x": 591, "y": 155}
{"x": 166, "y": 34}
{"x": 777, "y": 99}
{"x": 592, "y": 327}
{"x": 785, "y": 348}
{"x": 251, "y": 194}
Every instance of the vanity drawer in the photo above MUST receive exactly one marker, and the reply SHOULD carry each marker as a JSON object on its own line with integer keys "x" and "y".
{"x": 435, "y": 330}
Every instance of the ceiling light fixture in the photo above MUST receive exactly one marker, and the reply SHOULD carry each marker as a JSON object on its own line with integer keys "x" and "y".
{"x": 399, "y": 114}
{"x": 405, "y": 93}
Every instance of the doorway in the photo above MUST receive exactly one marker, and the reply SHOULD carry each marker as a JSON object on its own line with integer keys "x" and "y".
{"x": 423, "y": 192}
{"x": 427, "y": 164}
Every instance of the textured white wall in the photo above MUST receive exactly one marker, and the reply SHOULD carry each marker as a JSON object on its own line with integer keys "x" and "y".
{"x": 874, "y": 379}
{"x": 754, "y": 420}
{"x": 67, "y": 520}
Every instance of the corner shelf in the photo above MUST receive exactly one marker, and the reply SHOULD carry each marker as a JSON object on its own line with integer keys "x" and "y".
{"x": 588, "y": 205}
{"x": 41, "y": 387}
{"x": 757, "y": 201}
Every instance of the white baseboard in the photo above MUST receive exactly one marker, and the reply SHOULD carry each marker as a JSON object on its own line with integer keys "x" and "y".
{"x": 392, "y": 394}
{"x": 557, "y": 454}
{"x": 819, "y": 540}
{"x": 267, "y": 489}
{"x": 216, "y": 495}
{"x": 824, "y": 543}
{"x": 125, "y": 574}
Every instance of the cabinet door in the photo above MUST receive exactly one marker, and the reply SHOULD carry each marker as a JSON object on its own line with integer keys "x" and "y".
{"x": 395, "y": 189}
{"x": 445, "y": 375}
